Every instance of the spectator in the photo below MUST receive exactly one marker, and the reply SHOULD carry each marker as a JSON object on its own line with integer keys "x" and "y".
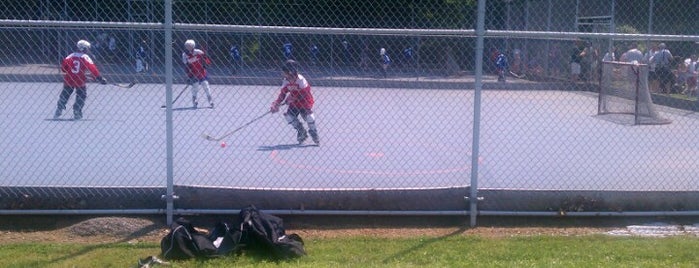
{"x": 610, "y": 55}
{"x": 632, "y": 55}
{"x": 385, "y": 62}
{"x": 588, "y": 64}
{"x": 501, "y": 65}
{"x": 287, "y": 50}
{"x": 141, "y": 58}
{"x": 494, "y": 52}
{"x": 517, "y": 65}
{"x": 662, "y": 61}
{"x": 576, "y": 60}
{"x": 409, "y": 56}
{"x": 635, "y": 56}
{"x": 236, "y": 59}
{"x": 652, "y": 76}
{"x": 691, "y": 76}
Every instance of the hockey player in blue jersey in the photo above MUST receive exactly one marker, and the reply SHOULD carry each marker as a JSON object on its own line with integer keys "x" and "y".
{"x": 236, "y": 59}
{"x": 501, "y": 65}
{"x": 287, "y": 50}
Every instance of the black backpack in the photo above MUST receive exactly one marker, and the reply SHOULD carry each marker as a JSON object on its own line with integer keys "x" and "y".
{"x": 184, "y": 242}
{"x": 226, "y": 237}
{"x": 266, "y": 232}
{"x": 253, "y": 229}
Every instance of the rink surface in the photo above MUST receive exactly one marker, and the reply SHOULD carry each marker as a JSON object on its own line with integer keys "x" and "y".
{"x": 371, "y": 138}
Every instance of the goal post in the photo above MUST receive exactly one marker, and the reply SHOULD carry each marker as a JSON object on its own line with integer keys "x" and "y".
{"x": 624, "y": 95}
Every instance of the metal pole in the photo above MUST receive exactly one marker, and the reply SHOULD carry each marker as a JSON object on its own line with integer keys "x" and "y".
{"x": 612, "y": 26}
{"x": 650, "y": 16}
{"x": 480, "y": 32}
{"x": 650, "y": 22}
{"x": 547, "y": 64}
{"x": 169, "y": 195}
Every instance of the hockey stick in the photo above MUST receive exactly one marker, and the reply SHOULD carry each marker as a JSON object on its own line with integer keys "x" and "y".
{"x": 210, "y": 138}
{"x": 178, "y": 96}
{"x": 129, "y": 85}
{"x": 121, "y": 85}
{"x": 517, "y": 75}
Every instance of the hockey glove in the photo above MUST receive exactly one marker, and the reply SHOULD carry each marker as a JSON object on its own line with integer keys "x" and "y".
{"x": 101, "y": 80}
{"x": 274, "y": 108}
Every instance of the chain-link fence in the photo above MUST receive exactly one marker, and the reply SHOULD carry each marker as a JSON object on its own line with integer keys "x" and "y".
{"x": 417, "y": 109}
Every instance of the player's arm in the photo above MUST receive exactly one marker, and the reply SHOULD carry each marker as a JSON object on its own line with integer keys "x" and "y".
{"x": 184, "y": 59}
{"x": 66, "y": 65}
{"x": 278, "y": 102}
{"x": 94, "y": 71}
{"x": 207, "y": 60}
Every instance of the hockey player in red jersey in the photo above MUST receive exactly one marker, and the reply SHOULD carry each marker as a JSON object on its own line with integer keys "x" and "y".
{"x": 296, "y": 92}
{"x": 196, "y": 61}
{"x": 74, "y": 68}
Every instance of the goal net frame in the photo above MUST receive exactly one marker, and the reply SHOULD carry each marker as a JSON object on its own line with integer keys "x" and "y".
{"x": 624, "y": 96}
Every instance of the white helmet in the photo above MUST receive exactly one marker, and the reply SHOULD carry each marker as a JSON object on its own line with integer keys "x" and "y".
{"x": 382, "y": 51}
{"x": 83, "y": 45}
{"x": 189, "y": 43}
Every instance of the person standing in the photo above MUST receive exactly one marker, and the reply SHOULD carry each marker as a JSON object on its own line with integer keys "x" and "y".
{"x": 74, "y": 68}
{"x": 385, "y": 62}
{"x": 610, "y": 55}
{"x": 692, "y": 71}
{"x": 576, "y": 58}
{"x": 287, "y": 50}
{"x": 588, "y": 65}
{"x": 141, "y": 56}
{"x": 517, "y": 64}
{"x": 633, "y": 55}
{"x": 196, "y": 62}
{"x": 296, "y": 92}
{"x": 236, "y": 59}
{"x": 408, "y": 54}
{"x": 662, "y": 60}
{"x": 501, "y": 64}
{"x": 652, "y": 76}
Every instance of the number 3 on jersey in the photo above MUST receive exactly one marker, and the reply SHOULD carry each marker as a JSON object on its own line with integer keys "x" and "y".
{"x": 76, "y": 67}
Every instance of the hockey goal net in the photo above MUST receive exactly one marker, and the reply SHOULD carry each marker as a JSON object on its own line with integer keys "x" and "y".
{"x": 624, "y": 96}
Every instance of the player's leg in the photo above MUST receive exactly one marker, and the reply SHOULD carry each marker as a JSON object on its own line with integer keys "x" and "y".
{"x": 62, "y": 100}
{"x": 311, "y": 121}
{"x": 207, "y": 90}
{"x": 291, "y": 117}
{"x": 80, "y": 96}
{"x": 195, "y": 89}
{"x": 139, "y": 65}
{"x": 575, "y": 71}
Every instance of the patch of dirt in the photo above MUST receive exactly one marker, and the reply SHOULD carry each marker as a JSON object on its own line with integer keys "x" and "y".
{"x": 111, "y": 229}
{"x": 16, "y": 229}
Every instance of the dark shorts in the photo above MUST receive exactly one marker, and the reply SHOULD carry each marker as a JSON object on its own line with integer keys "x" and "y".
{"x": 295, "y": 111}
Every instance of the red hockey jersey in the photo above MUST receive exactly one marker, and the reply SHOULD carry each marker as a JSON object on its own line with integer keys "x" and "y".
{"x": 75, "y": 66}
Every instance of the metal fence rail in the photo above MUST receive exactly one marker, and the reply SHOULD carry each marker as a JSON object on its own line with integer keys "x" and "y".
{"x": 435, "y": 132}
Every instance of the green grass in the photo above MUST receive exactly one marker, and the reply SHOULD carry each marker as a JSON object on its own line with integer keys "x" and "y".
{"x": 447, "y": 251}
{"x": 682, "y": 97}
